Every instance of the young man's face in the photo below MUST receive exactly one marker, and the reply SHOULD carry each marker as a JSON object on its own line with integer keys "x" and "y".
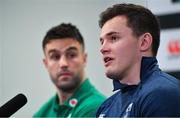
{"x": 65, "y": 62}
{"x": 120, "y": 48}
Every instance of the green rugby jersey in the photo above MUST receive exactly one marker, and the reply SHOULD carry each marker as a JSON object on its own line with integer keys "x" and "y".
{"x": 83, "y": 103}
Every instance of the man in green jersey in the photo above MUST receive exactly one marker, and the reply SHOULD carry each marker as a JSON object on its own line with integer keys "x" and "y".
{"x": 65, "y": 60}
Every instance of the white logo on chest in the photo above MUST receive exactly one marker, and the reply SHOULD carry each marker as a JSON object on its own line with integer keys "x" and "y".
{"x": 101, "y": 116}
{"x": 128, "y": 109}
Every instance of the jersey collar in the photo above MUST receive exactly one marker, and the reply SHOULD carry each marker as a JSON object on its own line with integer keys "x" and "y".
{"x": 147, "y": 65}
{"x": 76, "y": 97}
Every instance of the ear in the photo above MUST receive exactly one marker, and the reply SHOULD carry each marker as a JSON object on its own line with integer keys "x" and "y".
{"x": 146, "y": 42}
{"x": 45, "y": 62}
{"x": 85, "y": 59}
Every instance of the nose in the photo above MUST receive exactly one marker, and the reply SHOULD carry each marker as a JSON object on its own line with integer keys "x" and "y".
{"x": 63, "y": 62}
{"x": 104, "y": 48}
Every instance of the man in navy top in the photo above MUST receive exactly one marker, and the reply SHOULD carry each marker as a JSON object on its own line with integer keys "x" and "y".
{"x": 130, "y": 37}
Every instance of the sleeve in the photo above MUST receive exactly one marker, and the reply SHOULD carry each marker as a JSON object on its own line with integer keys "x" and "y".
{"x": 162, "y": 103}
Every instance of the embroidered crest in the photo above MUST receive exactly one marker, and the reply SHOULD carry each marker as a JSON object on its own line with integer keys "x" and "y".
{"x": 73, "y": 102}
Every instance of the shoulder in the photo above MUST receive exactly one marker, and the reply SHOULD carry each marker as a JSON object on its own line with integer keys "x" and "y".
{"x": 162, "y": 77}
{"x": 160, "y": 100}
{"x": 92, "y": 101}
{"x": 88, "y": 104}
{"x": 160, "y": 81}
{"x": 88, "y": 107}
{"x": 92, "y": 96}
{"x": 160, "y": 87}
{"x": 163, "y": 93}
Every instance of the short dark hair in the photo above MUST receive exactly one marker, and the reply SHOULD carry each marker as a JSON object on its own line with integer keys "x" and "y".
{"x": 139, "y": 19}
{"x": 64, "y": 30}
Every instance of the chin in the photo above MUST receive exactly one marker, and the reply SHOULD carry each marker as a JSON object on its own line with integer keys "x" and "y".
{"x": 110, "y": 75}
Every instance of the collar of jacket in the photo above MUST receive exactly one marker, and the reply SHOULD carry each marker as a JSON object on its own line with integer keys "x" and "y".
{"x": 148, "y": 64}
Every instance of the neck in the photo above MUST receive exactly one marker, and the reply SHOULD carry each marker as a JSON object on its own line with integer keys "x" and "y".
{"x": 132, "y": 76}
{"x": 63, "y": 96}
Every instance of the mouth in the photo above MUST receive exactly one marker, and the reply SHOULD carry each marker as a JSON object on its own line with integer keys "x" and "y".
{"x": 107, "y": 60}
{"x": 65, "y": 74}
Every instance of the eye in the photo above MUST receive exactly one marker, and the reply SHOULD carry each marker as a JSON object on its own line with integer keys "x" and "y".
{"x": 101, "y": 41}
{"x": 55, "y": 57}
{"x": 71, "y": 55}
{"x": 114, "y": 38}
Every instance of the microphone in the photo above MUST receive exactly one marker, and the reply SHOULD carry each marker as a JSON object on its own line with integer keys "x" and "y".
{"x": 13, "y": 105}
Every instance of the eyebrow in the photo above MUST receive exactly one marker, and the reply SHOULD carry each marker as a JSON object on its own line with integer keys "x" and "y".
{"x": 71, "y": 48}
{"x": 52, "y": 51}
{"x": 68, "y": 49}
{"x": 109, "y": 34}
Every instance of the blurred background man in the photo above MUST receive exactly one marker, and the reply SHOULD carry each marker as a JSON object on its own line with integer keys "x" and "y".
{"x": 65, "y": 60}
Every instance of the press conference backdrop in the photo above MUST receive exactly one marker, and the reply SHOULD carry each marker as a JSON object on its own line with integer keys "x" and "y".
{"x": 169, "y": 51}
{"x": 23, "y": 24}
{"x": 0, "y": 52}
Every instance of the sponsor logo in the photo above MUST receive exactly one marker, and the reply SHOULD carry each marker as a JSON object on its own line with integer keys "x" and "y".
{"x": 174, "y": 47}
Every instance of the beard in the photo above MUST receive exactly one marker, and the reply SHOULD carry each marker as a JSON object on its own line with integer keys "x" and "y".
{"x": 68, "y": 86}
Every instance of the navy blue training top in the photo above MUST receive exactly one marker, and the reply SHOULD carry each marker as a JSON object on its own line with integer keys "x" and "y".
{"x": 157, "y": 95}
